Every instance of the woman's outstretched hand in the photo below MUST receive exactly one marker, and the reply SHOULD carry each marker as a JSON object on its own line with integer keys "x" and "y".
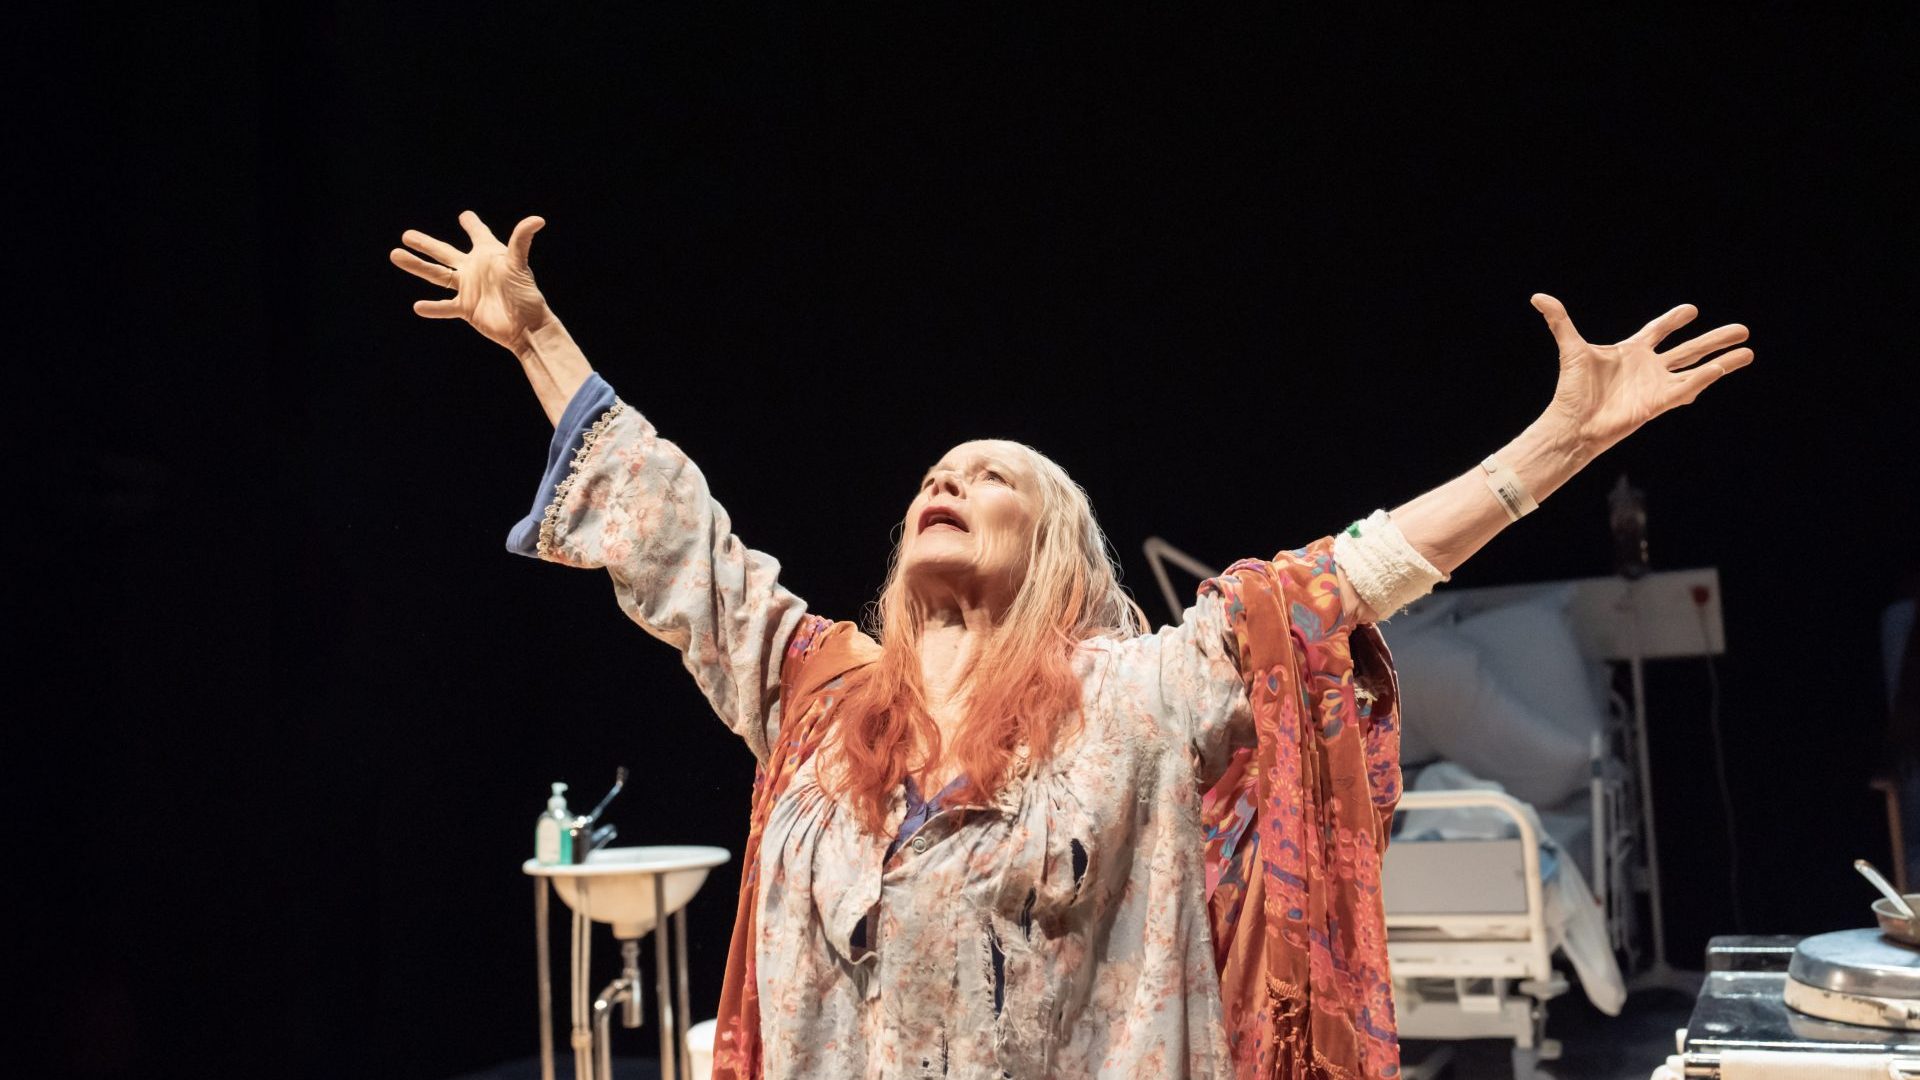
{"x": 493, "y": 285}
{"x": 1604, "y": 394}
{"x": 1607, "y": 391}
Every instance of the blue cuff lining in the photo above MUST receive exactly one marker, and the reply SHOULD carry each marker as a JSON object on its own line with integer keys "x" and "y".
{"x": 593, "y": 398}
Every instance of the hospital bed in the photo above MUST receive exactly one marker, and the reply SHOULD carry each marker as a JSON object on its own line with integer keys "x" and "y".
{"x": 1475, "y": 917}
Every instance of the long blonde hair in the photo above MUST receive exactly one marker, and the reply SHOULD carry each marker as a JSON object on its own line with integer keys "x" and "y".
{"x": 1071, "y": 592}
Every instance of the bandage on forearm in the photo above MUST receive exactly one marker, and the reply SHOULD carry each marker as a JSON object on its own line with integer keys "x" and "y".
{"x": 1382, "y": 566}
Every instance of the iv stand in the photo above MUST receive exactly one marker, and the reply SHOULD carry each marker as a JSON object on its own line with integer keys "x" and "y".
{"x": 1660, "y": 974}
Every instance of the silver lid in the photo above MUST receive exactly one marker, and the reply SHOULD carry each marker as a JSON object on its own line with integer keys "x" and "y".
{"x": 1857, "y": 962}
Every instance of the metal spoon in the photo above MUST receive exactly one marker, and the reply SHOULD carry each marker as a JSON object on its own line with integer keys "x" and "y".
{"x": 1899, "y": 902}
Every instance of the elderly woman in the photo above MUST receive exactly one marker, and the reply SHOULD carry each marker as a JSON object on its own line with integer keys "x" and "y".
{"x": 1014, "y": 832}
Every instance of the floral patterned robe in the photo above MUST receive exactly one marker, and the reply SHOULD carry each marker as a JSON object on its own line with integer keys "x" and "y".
{"x": 1189, "y": 887}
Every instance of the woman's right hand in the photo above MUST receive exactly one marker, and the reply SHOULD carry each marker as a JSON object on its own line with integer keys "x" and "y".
{"x": 493, "y": 285}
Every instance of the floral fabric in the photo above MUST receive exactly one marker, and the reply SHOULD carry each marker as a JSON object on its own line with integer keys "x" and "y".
{"x": 1296, "y": 828}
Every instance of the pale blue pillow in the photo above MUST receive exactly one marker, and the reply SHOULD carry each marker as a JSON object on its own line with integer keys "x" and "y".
{"x": 1531, "y": 647}
{"x": 1455, "y": 705}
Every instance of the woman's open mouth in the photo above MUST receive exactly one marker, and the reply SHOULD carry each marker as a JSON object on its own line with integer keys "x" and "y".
{"x": 942, "y": 517}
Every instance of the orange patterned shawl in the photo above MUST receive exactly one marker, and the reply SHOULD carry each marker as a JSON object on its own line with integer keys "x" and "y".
{"x": 1301, "y": 944}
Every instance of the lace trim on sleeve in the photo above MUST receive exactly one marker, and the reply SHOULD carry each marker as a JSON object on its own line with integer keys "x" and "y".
{"x": 550, "y": 520}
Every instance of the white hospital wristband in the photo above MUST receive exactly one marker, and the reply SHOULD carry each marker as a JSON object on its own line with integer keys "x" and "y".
{"x": 1513, "y": 495}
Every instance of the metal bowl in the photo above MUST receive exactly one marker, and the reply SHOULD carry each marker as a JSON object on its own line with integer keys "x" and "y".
{"x": 1893, "y": 924}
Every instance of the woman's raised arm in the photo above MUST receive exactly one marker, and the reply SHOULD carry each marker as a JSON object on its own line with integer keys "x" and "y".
{"x": 1378, "y": 565}
{"x": 617, "y": 495}
{"x": 1604, "y": 394}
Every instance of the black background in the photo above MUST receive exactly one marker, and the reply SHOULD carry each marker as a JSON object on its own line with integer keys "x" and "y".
{"x": 1247, "y": 279}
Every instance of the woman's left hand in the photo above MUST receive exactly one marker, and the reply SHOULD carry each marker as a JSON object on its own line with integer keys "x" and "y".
{"x": 1607, "y": 391}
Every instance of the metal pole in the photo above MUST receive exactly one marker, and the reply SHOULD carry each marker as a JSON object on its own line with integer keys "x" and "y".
{"x": 542, "y": 949}
{"x": 603, "y": 1041}
{"x": 680, "y": 991}
{"x": 582, "y": 993}
{"x": 1646, "y": 784}
{"x": 668, "y": 1071}
{"x": 1596, "y": 814}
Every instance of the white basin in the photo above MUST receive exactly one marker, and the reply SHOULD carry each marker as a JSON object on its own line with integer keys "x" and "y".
{"x": 615, "y": 885}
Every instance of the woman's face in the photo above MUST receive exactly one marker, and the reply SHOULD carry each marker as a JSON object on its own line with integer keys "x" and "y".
{"x": 969, "y": 529}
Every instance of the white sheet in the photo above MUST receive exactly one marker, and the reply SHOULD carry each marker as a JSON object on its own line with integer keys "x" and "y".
{"x": 1575, "y": 923}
